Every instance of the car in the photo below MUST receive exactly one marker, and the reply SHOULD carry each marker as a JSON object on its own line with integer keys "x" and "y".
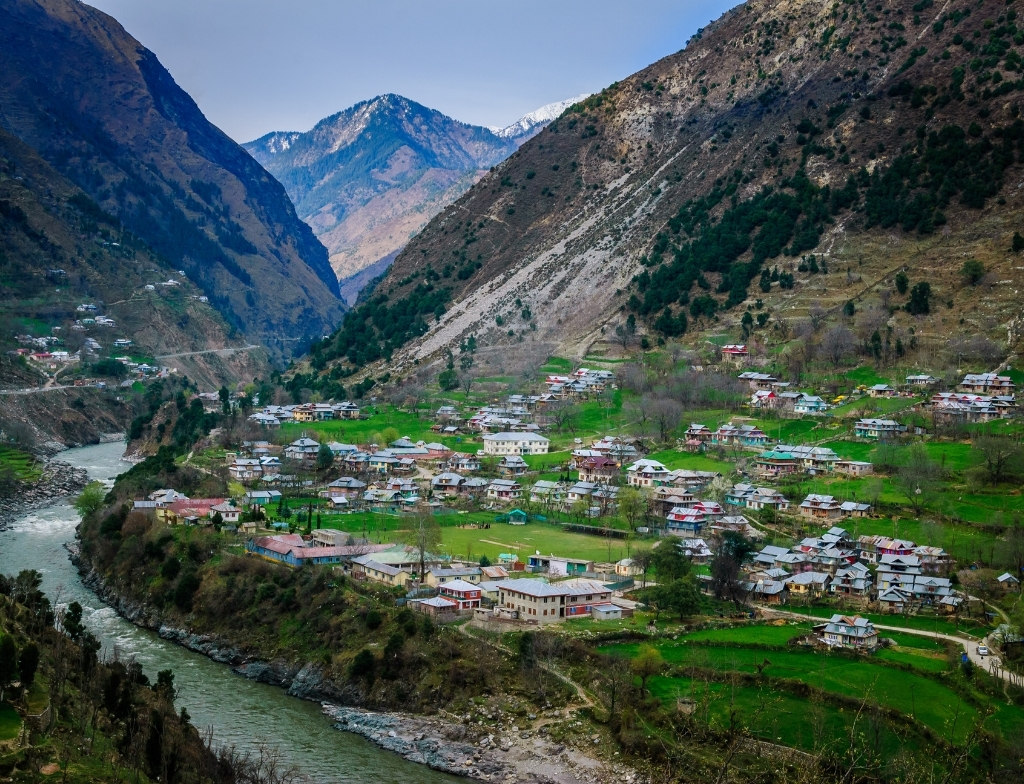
{"x": 983, "y": 650}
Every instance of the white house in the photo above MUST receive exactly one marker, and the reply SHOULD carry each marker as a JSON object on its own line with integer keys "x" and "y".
{"x": 515, "y": 444}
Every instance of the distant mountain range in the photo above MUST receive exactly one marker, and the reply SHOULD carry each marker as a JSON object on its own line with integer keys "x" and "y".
{"x": 100, "y": 109}
{"x": 368, "y": 178}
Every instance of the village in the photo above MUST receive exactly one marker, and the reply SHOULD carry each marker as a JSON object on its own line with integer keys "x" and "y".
{"x": 862, "y": 524}
{"x": 316, "y": 501}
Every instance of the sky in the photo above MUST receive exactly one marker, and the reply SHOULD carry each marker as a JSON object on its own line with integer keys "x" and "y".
{"x": 256, "y": 66}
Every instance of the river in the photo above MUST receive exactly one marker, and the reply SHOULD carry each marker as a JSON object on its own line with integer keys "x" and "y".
{"x": 240, "y": 712}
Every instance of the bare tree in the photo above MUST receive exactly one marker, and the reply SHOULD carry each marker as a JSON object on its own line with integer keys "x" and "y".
{"x": 817, "y": 316}
{"x": 564, "y": 416}
{"x": 633, "y": 378}
{"x": 466, "y": 380}
{"x": 917, "y": 476}
{"x": 1002, "y": 455}
{"x": 423, "y": 535}
{"x": 666, "y": 414}
{"x": 837, "y": 343}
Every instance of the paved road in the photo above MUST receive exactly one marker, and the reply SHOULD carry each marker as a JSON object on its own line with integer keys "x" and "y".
{"x": 222, "y": 351}
{"x": 33, "y": 390}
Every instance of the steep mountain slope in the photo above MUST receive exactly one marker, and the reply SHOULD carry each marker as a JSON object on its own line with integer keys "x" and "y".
{"x": 101, "y": 109}
{"x": 59, "y": 249}
{"x": 368, "y": 178}
{"x": 879, "y": 137}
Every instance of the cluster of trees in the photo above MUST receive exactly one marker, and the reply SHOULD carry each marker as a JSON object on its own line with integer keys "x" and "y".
{"x": 677, "y": 590}
{"x": 92, "y": 700}
{"x": 376, "y": 328}
{"x": 787, "y": 221}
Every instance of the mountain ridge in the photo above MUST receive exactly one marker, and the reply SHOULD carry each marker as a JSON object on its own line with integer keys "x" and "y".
{"x": 369, "y": 177}
{"x": 878, "y": 138}
{"x": 100, "y": 108}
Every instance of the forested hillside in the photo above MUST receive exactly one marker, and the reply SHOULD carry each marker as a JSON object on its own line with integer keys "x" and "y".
{"x": 794, "y": 155}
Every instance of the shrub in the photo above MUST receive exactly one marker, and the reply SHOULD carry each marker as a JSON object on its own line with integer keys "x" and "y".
{"x": 373, "y": 620}
{"x": 972, "y": 271}
{"x": 363, "y": 665}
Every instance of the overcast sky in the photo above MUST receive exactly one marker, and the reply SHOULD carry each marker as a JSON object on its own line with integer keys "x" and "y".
{"x": 255, "y": 66}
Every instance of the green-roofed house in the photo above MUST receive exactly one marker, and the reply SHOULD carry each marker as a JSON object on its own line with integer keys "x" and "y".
{"x": 775, "y": 463}
{"x": 517, "y": 517}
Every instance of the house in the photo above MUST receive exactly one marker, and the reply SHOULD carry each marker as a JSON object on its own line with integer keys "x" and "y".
{"x": 881, "y": 390}
{"x": 647, "y": 473}
{"x": 813, "y": 459}
{"x": 228, "y": 512}
{"x": 245, "y": 469}
{"x": 600, "y": 470}
{"x": 735, "y": 352}
{"x": 304, "y": 449}
{"x": 545, "y": 491}
{"x": 346, "y": 486}
{"x": 627, "y": 568}
{"x": 439, "y": 575}
{"x": 854, "y": 467}
{"x": 504, "y": 490}
{"x": 291, "y": 550}
{"x": 810, "y": 405}
{"x": 851, "y": 580}
{"x": 512, "y": 465}
{"x": 877, "y": 429}
{"x": 463, "y": 462}
{"x": 515, "y": 444}
{"x": 382, "y": 573}
{"x": 697, "y": 432}
{"x": 894, "y": 600}
{"x": 775, "y": 463}
{"x": 921, "y": 380}
{"x": 557, "y": 565}
{"x": 436, "y": 606}
{"x": 466, "y": 595}
{"x": 490, "y": 574}
{"x": 821, "y": 507}
{"x": 766, "y": 591}
{"x": 741, "y": 435}
{"x": 808, "y": 583}
{"x": 382, "y": 462}
{"x": 751, "y": 497}
{"x": 262, "y": 498}
{"x": 346, "y": 410}
{"x": 1008, "y": 582}
{"x": 763, "y": 381}
{"x": 543, "y": 602}
{"x": 188, "y": 510}
{"x": 854, "y": 509}
{"x": 854, "y": 632}
{"x": 696, "y": 550}
{"x": 447, "y": 483}
{"x": 987, "y": 384}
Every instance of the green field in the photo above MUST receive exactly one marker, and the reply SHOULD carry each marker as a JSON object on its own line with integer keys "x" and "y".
{"x": 914, "y": 693}
{"x": 524, "y": 540}
{"x": 21, "y": 464}
{"x": 10, "y": 722}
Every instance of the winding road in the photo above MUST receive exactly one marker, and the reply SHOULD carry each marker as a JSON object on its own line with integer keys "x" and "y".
{"x": 224, "y": 352}
{"x": 990, "y": 663}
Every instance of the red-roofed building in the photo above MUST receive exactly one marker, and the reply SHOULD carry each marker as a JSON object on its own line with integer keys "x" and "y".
{"x": 465, "y": 594}
{"x": 291, "y": 550}
{"x": 178, "y": 512}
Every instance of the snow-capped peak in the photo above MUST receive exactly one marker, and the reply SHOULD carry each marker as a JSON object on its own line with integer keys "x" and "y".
{"x": 536, "y": 119}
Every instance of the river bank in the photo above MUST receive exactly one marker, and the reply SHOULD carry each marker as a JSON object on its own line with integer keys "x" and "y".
{"x": 519, "y": 752}
{"x": 59, "y": 480}
{"x": 513, "y": 754}
{"x": 252, "y": 716}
